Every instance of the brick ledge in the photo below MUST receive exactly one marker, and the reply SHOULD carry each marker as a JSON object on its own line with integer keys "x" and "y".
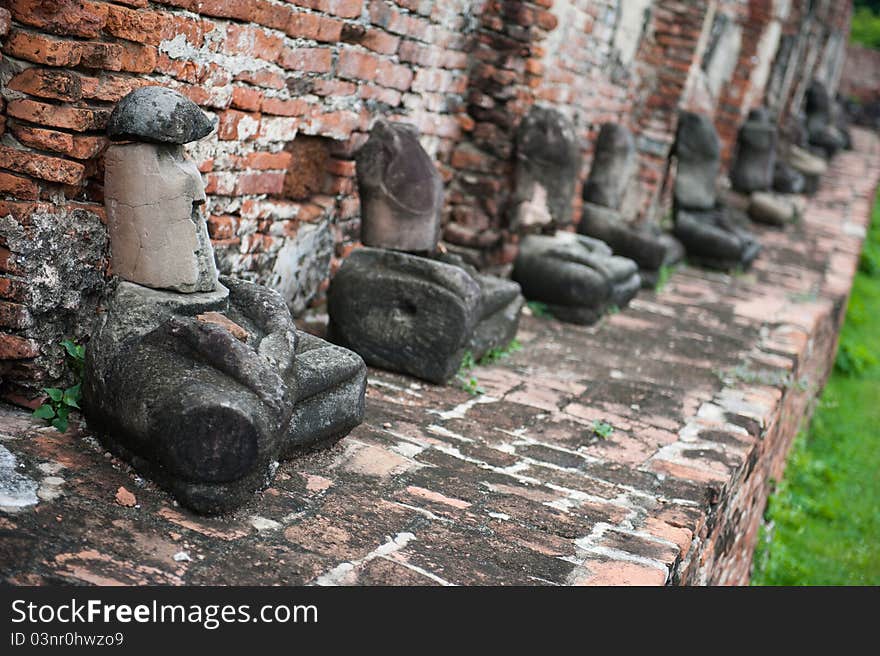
{"x": 706, "y": 385}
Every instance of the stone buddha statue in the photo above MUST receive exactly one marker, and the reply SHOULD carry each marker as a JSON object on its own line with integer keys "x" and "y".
{"x": 796, "y": 162}
{"x": 614, "y": 165}
{"x": 711, "y": 232}
{"x": 823, "y": 133}
{"x": 754, "y": 167}
{"x": 399, "y": 302}
{"x": 576, "y": 276}
{"x": 201, "y": 382}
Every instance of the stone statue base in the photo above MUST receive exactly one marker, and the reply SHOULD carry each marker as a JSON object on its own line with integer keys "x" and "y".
{"x": 577, "y": 277}
{"x": 713, "y": 239}
{"x": 787, "y": 180}
{"x": 204, "y": 392}
{"x": 647, "y": 245}
{"x": 417, "y": 314}
{"x": 772, "y": 209}
{"x": 810, "y": 166}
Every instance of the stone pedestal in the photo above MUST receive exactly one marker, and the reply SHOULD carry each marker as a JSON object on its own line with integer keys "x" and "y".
{"x": 419, "y": 315}
{"x": 811, "y": 167}
{"x": 707, "y": 229}
{"x": 577, "y": 277}
{"x": 202, "y": 412}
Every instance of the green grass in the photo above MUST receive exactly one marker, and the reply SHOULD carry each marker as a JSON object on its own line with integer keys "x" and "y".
{"x": 823, "y": 520}
{"x": 866, "y": 27}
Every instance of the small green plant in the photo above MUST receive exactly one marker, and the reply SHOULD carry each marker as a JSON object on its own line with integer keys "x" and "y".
{"x": 466, "y": 381}
{"x": 59, "y": 402}
{"x": 663, "y": 275}
{"x": 602, "y": 429}
{"x": 496, "y": 354}
{"x": 612, "y": 309}
{"x": 539, "y": 310}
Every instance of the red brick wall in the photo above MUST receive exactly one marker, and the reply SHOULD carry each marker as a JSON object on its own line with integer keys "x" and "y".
{"x": 294, "y": 86}
{"x": 861, "y": 74}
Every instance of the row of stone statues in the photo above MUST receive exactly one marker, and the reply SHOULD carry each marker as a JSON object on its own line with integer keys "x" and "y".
{"x": 203, "y": 382}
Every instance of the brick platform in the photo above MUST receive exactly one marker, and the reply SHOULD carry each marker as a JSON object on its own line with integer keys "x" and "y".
{"x": 705, "y": 385}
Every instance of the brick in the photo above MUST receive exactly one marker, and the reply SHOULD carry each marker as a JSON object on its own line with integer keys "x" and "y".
{"x": 18, "y": 187}
{"x": 130, "y": 57}
{"x": 264, "y": 160}
{"x": 74, "y": 145}
{"x": 222, "y": 227}
{"x": 247, "y": 98}
{"x": 306, "y": 60}
{"x": 357, "y": 65}
{"x": 15, "y": 316}
{"x": 42, "y": 49}
{"x": 333, "y": 88}
{"x": 7, "y": 260}
{"x": 43, "y": 139}
{"x": 311, "y": 26}
{"x": 13, "y": 347}
{"x": 345, "y": 8}
{"x": 264, "y": 182}
{"x": 109, "y": 87}
{"x": 395, "y": 76}
{"x": 44, "y": 167}
{"x": 282, "y": 107}
{"x": 262, "y": 78}
{"x": 342, "y": 167}
{"x": 234, "y": 124}
{"x": 252, "y": 41}
{"x": 48, "y": 83}
{"x": 65, "y": 17}
{"x": 59, "y": 116}
{"x": 140, "y": 26}
{"x": 5, "y": 21}
{"x": 380, "y": 41}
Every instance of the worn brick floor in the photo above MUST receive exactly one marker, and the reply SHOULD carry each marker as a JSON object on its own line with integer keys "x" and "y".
{"x": 705, "y": 384}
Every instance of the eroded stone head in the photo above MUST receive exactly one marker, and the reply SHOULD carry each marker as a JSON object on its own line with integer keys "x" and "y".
{"x": 613, "y": 166}
{"x": 547, "y": 163}
{"x": 158, "y": 115}
{"x": 400, "y": 189}
{"x": 155, "y": 196}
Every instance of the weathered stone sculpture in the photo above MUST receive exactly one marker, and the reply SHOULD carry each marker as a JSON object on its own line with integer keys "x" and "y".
{"x": 754, "y": 168}
{"x": 577, "y": 277}
{"x": 201, "y": 384}
{"x": 822, "y": 131}
{"x": 399, "y": 303}
{"x": 709, "y": 230}
{"x": 755, "y": 159}
{"x": 613, "y": 167}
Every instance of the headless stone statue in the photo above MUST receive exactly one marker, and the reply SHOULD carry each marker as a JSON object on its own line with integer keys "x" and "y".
{"x": 201, "y": 384}
{"x": 399, "y": 303}
{"x": 711, "y": 233}
{"x": 755, "y": 158}
{"x": 577, "y": 277}
{"x": 822, "y": 131}
{"x": 753, "y": 171}
{"x": 613, "y": 167}
{"x": 547, "y": 164}
{"x": 797, "y": 169}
